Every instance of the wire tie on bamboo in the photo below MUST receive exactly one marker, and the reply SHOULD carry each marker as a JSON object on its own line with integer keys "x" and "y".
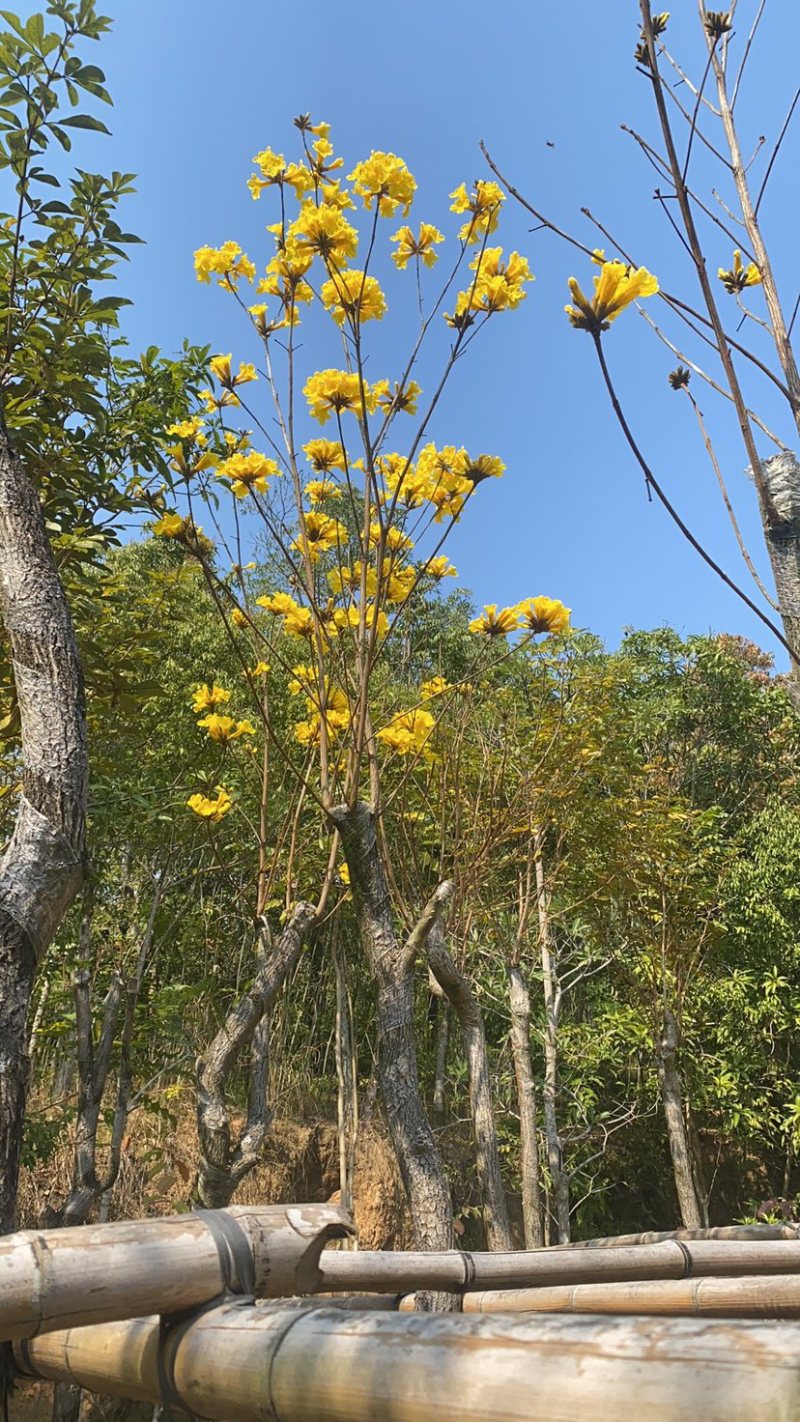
{"x": 237, "y": 1270}
{"x": 469, "y": 1270}
{"x": 688, "y": 1262}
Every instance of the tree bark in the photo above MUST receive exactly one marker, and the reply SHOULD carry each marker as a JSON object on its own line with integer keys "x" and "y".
{"x": 552, "y": 1008}
{"x": 487, "y": 1154}
{"x": 672, "y": 1097}
{"x": 223, "y": 1162}
{"x": 391, "y": 963}
{"x": 438, "y": 1102}
{"x": 519, "y": 999}
{"x": 42, "y": 867}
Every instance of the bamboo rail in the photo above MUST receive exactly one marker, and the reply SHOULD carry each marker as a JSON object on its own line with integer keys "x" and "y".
{"x": 54, "y": 1279}
{"x": 318, "y": 1364}
{"x": 740, "y": 1232}
{"x": 756, "y": 1296}
{"x": 458, "y": 1272}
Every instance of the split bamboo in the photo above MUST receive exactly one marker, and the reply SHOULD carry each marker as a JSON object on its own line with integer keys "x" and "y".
{"x": 756, "y": 1296}
{"x": 320, "y": 1364}
{"x": 752, "y": 1231}
{"x": 459, "y": 1272}
{"x": 65, "y": 1277}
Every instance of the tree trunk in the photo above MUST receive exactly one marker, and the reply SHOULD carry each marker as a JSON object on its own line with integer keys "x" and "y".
{"x": 223, "y": 1162}
{"x": 438, "y": 1103}
{"x": 552, "y": 1008}
{"x": 391, "y": 964}
{"x": 519, "y": 1000}
{"x": 487, "y": 1154}
{"x": 672, "y": 1096}
{"x": 42, "y": 867}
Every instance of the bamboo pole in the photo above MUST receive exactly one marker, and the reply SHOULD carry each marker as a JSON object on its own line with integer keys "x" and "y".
{"x": 458, "y": 1272}
{"x": 64, "y": 1277}
{"x": 753, "y": 1231}
{"x": 318, "y": 1364}
{"x": 756, "y": 1296}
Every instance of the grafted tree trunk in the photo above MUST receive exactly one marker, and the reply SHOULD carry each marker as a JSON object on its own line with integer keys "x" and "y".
{"x": 552, "y": 1009}
{"x": 462, "y": 999}
{"x": 391, "y": 962}
{"x": 519, "y": 1000}
{"x": 42, "y": 867}
{"x": 223, "y": 1161}
{"x": 672, "y": 1096}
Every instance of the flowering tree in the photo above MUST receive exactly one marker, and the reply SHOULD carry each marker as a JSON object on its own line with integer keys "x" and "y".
{"x": 356, "y": 519}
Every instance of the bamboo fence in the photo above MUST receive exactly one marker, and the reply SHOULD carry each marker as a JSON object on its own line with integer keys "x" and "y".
{"x": 459, "y": 1272}
{"x": 94, "y": 1273}
{"x": 312, "y": 1363}
{"x": 754, "y": 1296}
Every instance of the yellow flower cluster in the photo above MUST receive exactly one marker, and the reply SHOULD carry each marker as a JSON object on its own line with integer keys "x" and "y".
{"x": 537, "y": 614}
{"x": 248, "y": 472}
{"x": 740, "y": 276}
{"x": 324, "y": 455}
{"x": 297, "y": 620}
{"x": 208, "y": 698}
{"x": 209, "y": 809}
{"x": 385, "y": 179}
{"x": 327, "y": 702}
{"x": 423, "y": 246}
{"x": 224, "y": 729}
{"x": 483, "y": 203}
{"x": 351, "y": 295}
{"x": 220, "y": 367}
{"x": 332, "y": 391}
{"x": 227, "y": 262}
{"x": 409, "y": 732}
{"x": 615, "y": 288}
{"x": 321, "y": 533}
{"x": 496, "y": 286}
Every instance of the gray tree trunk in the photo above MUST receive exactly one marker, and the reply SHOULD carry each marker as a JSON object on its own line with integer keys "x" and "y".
{"x": 223, "y": 1161}
{"x": 519, "y": 1000}
{"x": 42, "y": 867}
{"x": 391, "y": 964}
{"x": 487, "y": 1154}
{"x": 552, "y": 1008}
{"x": 672, "y": 1097}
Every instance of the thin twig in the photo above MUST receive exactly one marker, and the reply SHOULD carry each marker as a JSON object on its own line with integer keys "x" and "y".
{"x": 775, "y": 151}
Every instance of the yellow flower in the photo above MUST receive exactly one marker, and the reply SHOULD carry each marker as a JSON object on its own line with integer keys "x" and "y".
{"x": 498, "y": 285}
{"x": 403, "y": 397}
{"x": 440, "y": 567}
{"x": 297, "y": 620}
{"x": 615, "y": 288}
{"x": 227, "y": 262}
{"x": 239, "y": 618}
{"x": 544, "y": 614}
{"x": 350, "y": 617}
{"x": 383, "y": 177}
{"x": 324, "y": 232}
{"x": 483, "y": 202}
{"x": 322, "y": 532}
{"x": 408, "y": 732}
{"x": 344, "y": 874}
{"x": 186, "y": 429}
{"x": 208, "y": 698}
{"x": 333, "y": 195}
{"x": 739, "y": 276}
{"x": 224, "y": 729}
{"x": 486, "y": 466}
{"x": 444, "y": 482}
{"x": 248, "y": 472}
{"x": 170, "y": 525}
{"x": 212, "y": 810}
{"x": 335, "y": 390}
{"x": 324, "y": 455}
{"x": 260, "y": 669}
{"x": 494, "y": 623}
{"x": 318, "y": 490}
{"x": 437, "y": 686}
{"x": 220, "y": 366}
{"x": 394, "y": 538}
{"x": 353, "y": 295}
{"x": 421, "y": 246}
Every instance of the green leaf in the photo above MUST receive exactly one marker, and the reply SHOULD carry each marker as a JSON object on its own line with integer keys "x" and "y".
{"x": 85, "y": 121}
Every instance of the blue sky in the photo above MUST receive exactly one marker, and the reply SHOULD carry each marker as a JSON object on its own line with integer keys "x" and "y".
{"x": 199, "y": 88}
